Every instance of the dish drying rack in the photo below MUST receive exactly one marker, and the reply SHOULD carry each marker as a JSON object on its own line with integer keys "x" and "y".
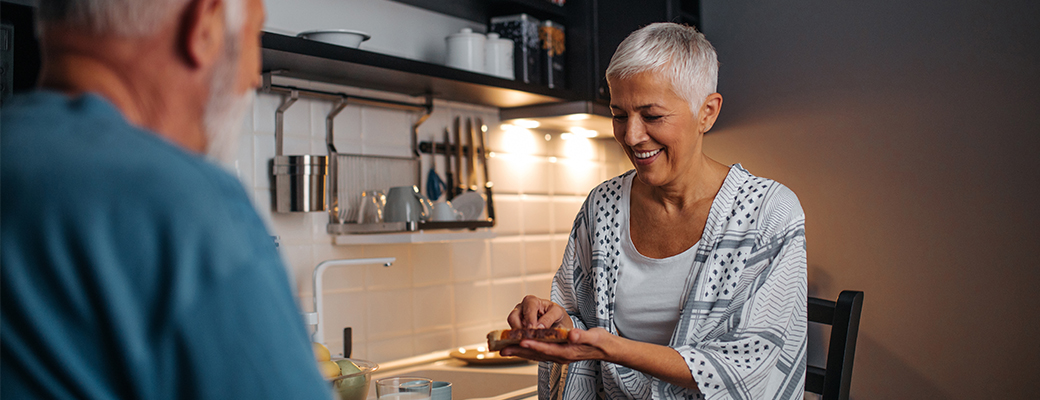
{"x": 350, "y": 174}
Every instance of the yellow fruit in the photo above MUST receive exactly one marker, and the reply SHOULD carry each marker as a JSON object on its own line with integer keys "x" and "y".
{"x": 321, "y": 353}
{"x": 328, "y": 369}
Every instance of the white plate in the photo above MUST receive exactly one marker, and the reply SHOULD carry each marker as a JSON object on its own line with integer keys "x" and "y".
{"x": 341, "y": 37}
{"x": 469, "y": 204}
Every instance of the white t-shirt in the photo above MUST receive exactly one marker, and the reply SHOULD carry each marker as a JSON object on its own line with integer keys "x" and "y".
{"x": 649, "y": 290}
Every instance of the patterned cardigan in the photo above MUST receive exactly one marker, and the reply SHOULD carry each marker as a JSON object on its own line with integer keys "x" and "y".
{"x": 742, "y": 331}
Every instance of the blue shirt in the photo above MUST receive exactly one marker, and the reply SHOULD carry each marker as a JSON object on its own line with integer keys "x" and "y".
{"x": 134, "y": 269}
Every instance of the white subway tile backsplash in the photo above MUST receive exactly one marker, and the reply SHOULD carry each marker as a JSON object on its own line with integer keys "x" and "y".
{"x": 469, "y": 260}
{"x": 537, "y": 257}
{"x": 472, "y": 302}
{"x": 507, "y": 214}
{"x": 298, "y": 258}
{"x": 433, "y": 307}
{"x": 386, "y": 132}
{"x": 538, "y": 286}
{"x": 440, "y": 339}
{"x": 342, "y": 310}
{"x": 558, "y": 247}
{"x": 294, "y": 145}
{"x": 507, "y": 258}
{"x": 536, "y": 215}
{"x": 263, "y": 153}
{"x": 506, "y": 173}
{"x": 398, "y": 275}
{"x": 576, "y": 177}
{"x": 390, "y": 313}
{"x": 390, "y": 349}
{"x": 477, "y": 334}
{"x": 505, "y": 294}
{"x": 431, "y": 264}
{"x": 538, "y": 179}
{"x": 564, "y": 210}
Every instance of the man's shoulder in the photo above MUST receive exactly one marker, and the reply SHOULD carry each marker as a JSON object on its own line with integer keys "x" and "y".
{"x": 63, "y": 150}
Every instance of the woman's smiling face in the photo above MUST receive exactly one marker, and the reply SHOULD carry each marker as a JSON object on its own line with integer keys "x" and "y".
{"x": 657, "y": 129}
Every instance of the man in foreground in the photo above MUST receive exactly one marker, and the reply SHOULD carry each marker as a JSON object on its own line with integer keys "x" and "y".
{"x": 132, "y": 267}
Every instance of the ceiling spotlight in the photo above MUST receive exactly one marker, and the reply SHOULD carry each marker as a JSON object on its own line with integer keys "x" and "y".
{"x": 578, "y": 117}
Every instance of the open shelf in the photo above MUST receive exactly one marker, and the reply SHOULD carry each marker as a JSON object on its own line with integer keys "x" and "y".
{"x": 307, "y": 59}
{"x": 420, "y": 236}
{"x": 480, "y": 11}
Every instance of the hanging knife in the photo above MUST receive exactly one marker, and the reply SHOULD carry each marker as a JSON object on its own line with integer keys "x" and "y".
{"x": 471, "y": 160}
{"x": 449, "y": 189}
{"x": 481, "y": 130}
{"x": 456, "y": 185}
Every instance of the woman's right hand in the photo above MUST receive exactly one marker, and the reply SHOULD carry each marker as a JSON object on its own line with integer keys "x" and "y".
{"x": 534, "y": 312}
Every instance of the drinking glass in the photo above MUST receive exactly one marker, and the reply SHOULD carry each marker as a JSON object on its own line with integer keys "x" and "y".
{"x": 403, "y": 388}
{"x": 370, "y": 210}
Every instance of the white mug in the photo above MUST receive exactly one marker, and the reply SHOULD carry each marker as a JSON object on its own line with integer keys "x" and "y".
{"x": 405, "y": 204}
{"x": 443, "y": 211}
{"x": 498, "y": 56}
{"x": 466, "y": 50}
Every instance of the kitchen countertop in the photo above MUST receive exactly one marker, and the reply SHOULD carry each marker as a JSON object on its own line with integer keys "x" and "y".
{"x": 492, "y": 382}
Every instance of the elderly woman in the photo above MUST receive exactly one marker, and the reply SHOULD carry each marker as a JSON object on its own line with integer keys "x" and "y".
{"x": 683, "y": 278}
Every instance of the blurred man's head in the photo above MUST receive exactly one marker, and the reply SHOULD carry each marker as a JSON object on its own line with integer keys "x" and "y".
{"x": 202, "y": 55}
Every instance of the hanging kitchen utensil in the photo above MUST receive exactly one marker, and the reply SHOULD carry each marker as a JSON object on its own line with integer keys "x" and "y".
{"x": 471, "y": 183}
{"x": 481, "y": 131}
{"x": 449, "y": 178}
{"x": 458, "y": 185}
{"x": 434, "y": 184}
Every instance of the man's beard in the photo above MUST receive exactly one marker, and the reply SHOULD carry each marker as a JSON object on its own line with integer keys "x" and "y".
{"x": 224, "y": 110}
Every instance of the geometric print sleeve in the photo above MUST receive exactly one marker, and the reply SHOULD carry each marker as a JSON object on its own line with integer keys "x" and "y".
{"x": 757, "y": 350}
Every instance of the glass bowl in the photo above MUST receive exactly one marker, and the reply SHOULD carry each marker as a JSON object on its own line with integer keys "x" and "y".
{"x": 353, "y": 386}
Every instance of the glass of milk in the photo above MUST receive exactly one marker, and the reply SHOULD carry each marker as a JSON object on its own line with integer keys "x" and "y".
{"x": 403, "y": 388}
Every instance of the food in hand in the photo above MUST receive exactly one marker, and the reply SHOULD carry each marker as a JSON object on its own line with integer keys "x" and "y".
{"x": 321, "y": 353}
{"x": 498, "y": 340}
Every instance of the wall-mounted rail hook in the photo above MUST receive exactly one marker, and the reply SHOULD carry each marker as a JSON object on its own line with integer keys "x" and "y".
{"x": 279, "y": 119}
{"x": 336, "y": 215}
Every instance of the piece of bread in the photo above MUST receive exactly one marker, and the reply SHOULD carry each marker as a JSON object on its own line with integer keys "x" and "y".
{"x": 498, "y": 340}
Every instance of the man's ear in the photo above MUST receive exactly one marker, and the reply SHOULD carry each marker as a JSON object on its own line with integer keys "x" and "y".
{"x": 202, "y": 34}
{"x": 709, "y": 111}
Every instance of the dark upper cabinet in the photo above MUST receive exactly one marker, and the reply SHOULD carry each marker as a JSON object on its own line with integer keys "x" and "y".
{"x": 605, "y": 23}
{"x": 594, "y": 29}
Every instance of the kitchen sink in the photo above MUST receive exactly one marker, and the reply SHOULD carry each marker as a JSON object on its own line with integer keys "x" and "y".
{"x": 498, "y": 382}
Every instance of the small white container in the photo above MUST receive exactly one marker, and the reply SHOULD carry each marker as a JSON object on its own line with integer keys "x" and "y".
{"x": 466, "y": 50}
{"x": 498, "y": 56}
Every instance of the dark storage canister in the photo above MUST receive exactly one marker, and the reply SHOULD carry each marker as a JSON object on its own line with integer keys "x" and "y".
{"x": 299, "y": 183}
{"x": 522, "y": 29}
{"x": 551, "y": 34}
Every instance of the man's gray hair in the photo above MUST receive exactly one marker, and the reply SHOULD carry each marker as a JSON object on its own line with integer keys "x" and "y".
{"x": 128, "y": 18}
{"x": 679, "y": 52}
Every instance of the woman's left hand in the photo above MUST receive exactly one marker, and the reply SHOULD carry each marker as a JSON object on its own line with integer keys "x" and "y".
{"x": 593, "y": 344}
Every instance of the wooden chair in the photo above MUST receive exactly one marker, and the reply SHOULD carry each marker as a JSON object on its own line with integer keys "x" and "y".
{"x": 833, "y": 382}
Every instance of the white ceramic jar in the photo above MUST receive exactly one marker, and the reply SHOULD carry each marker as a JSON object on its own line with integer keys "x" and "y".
{"x": 498, "y": 56}
{"x": 466, "y": 50}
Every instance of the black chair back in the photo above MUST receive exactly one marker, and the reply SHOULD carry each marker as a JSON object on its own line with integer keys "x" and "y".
{"x": 843, "y": 316}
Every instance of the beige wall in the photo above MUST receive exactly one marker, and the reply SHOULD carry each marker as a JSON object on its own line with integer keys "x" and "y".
{"x": 910, "y": 132}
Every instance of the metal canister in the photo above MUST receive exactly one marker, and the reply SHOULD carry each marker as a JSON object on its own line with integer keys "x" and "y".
{"x": 522, "y": 29}
{"x": 551, "y": 34}
{"x": 299, "y": 183}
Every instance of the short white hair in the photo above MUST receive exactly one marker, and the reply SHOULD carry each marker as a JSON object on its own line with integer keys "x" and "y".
{"x": 680, "y": 52}
{"x": 128, "y": 18}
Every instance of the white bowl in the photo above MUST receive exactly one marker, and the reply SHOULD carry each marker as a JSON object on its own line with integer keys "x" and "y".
{"x": 341, "y": 37}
